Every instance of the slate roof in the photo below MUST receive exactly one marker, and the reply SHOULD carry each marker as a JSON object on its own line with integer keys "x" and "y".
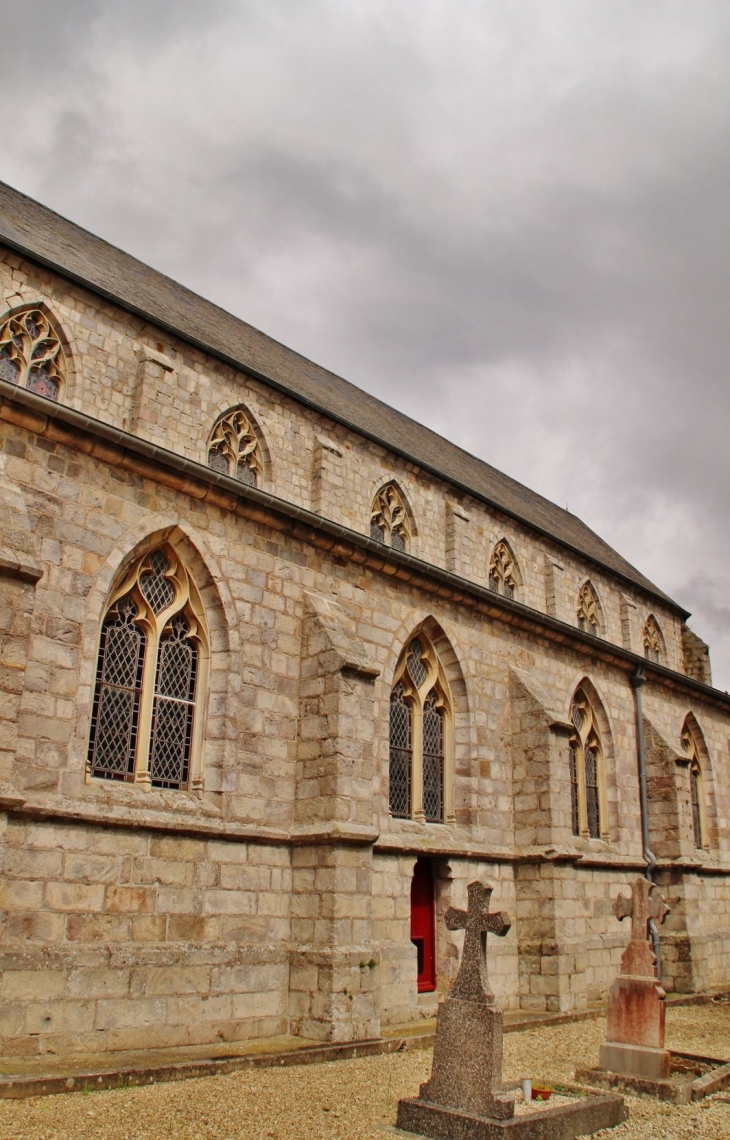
{"x": 44, "y": 236}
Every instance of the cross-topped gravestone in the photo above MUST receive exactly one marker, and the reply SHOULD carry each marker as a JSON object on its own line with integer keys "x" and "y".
{"x": 644, "y": 904}
{"x": 634, "y": 1042}
{"x": 472, "y": 981}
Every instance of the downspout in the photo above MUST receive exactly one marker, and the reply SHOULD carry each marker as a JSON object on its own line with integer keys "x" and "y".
{"x": 637, "y": 681}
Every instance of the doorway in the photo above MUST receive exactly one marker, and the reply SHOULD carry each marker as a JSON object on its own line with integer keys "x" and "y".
{"x": 423, "y": 929}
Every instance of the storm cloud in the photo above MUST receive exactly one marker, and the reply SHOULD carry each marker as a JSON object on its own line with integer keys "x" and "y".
{"x": 509, "y": 220}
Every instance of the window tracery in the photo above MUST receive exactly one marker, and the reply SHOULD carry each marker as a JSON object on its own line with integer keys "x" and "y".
{"x": 421, "y": 737}
{"x": 31, "y": 354}
{"x": 389, "y": 522}
{"x": 503, "y": 571}
{"x": 234, "y": 449}
{"x": 653, "y": 641}
{"x": 696, "y": 786}
{"x": 151, "y": 676}
{"x": 588, "y": 610}
{"x": 585, "y": 769}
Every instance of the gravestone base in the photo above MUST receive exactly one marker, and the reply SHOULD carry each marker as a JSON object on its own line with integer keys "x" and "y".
{"x": 589, "y": 1113}
{"x": 635, "y": 1060}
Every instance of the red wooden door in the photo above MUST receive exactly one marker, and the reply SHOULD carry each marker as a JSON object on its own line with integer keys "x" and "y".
{"x": 423, "y": 932}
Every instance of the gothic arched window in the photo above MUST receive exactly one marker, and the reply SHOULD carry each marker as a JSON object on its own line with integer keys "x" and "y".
{"x": 389, "y": 521}
{"x": 588, "y": 610}
{"x": 31, "y": 353}
{"x": 690, "y": 737}
{"x": 150, "y": 678}
{"x": 585, "y": 769}
{"x": 653, "y": 640}
{"x": 504, "y": 574}
{"x": 234, "y": 448}
{"x": 421, "y": 737}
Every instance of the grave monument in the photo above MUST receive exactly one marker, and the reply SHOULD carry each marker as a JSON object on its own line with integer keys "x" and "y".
{"x": 634, "y": 1042}
{"x": 465, "y": 1099}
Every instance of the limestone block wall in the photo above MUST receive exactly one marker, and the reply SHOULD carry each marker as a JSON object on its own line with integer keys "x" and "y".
{"x": 119, "y": 939}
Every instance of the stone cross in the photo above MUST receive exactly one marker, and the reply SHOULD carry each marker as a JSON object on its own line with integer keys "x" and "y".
{"x": 644, "y": 904}
{"x": 472, "y": 983}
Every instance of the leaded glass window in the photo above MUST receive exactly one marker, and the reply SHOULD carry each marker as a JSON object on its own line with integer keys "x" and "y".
{"x": 588, "y": 610}
{"x": 389, "y": 521}
{"x": 574, "y": 816}
{"x": 172, "y": 714}
{"x": 31, "y": 354}
{"x": 433, "y": 759}
{"x": 234, "y": 448}
{"x": 149, "y": 677}
{"x": 421, "y": 736}
{"x": 115, "y": 716}
{"x": 585, "y": 768}
{"x": 592, "y": 806}
{"x": 695, "y": 785}
{"x": 652, "y": 640}
{"x": 503, "y": 572}
{"x": 401, "y": 751}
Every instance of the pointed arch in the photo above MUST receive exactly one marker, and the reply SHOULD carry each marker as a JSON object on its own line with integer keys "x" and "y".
{"x": 505, "y": 576}
{"x": 214, "y": 744}
{"x": 588, "y": 745}
{"x": 695, "y": 749}
{"x": 653, "y": 641}
{"x": 34, "y": 351}
{"x": 589, "y": 612}
{"x": 152, "y": 671}
{"x": 391, "y": 518}
{"x": 427, "y": 687}
{"x": 236, "y": 447}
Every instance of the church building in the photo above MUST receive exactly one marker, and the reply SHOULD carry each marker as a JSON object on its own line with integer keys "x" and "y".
{"x": 282, "y": 671}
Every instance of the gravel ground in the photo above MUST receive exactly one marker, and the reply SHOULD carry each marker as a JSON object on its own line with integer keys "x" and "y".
{"x": 353, "y": 1100}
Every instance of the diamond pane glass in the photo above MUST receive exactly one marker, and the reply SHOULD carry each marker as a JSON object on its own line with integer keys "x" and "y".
{"x": 694, "y": 783}
{"x": 41, "y": 382}
{"x": 172, "y": 714}
{"x": 376, "y": 532}
{"x": 433, "y": 759}
{"x": 246, "y": 474}
{"x": 156, "y": 588}
{"x": 400, "y": 754}
{"x": 574, "y": 817}
{"x": 115, "y": 714}
{"x": 397, "y": 541}
{"x": 592, "y": 809}
{"x": 416, "y": 668}
{"x": 9, "y": 370}
{"x": 218, "y": 461}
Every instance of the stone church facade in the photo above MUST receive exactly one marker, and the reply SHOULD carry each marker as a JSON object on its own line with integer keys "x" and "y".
{"x": 281, "y": 671}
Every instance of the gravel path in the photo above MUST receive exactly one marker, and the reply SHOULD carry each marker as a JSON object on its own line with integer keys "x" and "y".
{"x": 353, "y": 1100}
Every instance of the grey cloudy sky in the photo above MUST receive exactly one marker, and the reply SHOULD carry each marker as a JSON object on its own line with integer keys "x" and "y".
{"x": 510, "y": 220}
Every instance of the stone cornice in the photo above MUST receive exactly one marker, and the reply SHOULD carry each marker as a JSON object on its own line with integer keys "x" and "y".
{"x": 332, "y": 834}
{"x": 121, "y": 449}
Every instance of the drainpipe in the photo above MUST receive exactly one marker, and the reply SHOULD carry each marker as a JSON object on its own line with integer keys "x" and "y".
{"x": 637, "y": 681}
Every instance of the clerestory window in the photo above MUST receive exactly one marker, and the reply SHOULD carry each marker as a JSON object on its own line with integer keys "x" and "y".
{"x": 653, "y": 640}
{"x": 151, "y": 674}
{"x": 504, "y": 574}
{"x": 389, "y": 522}
{"x": 31, "y": 353}
{"x": 234, "y": 448}
{"x": 588, "y": 610}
